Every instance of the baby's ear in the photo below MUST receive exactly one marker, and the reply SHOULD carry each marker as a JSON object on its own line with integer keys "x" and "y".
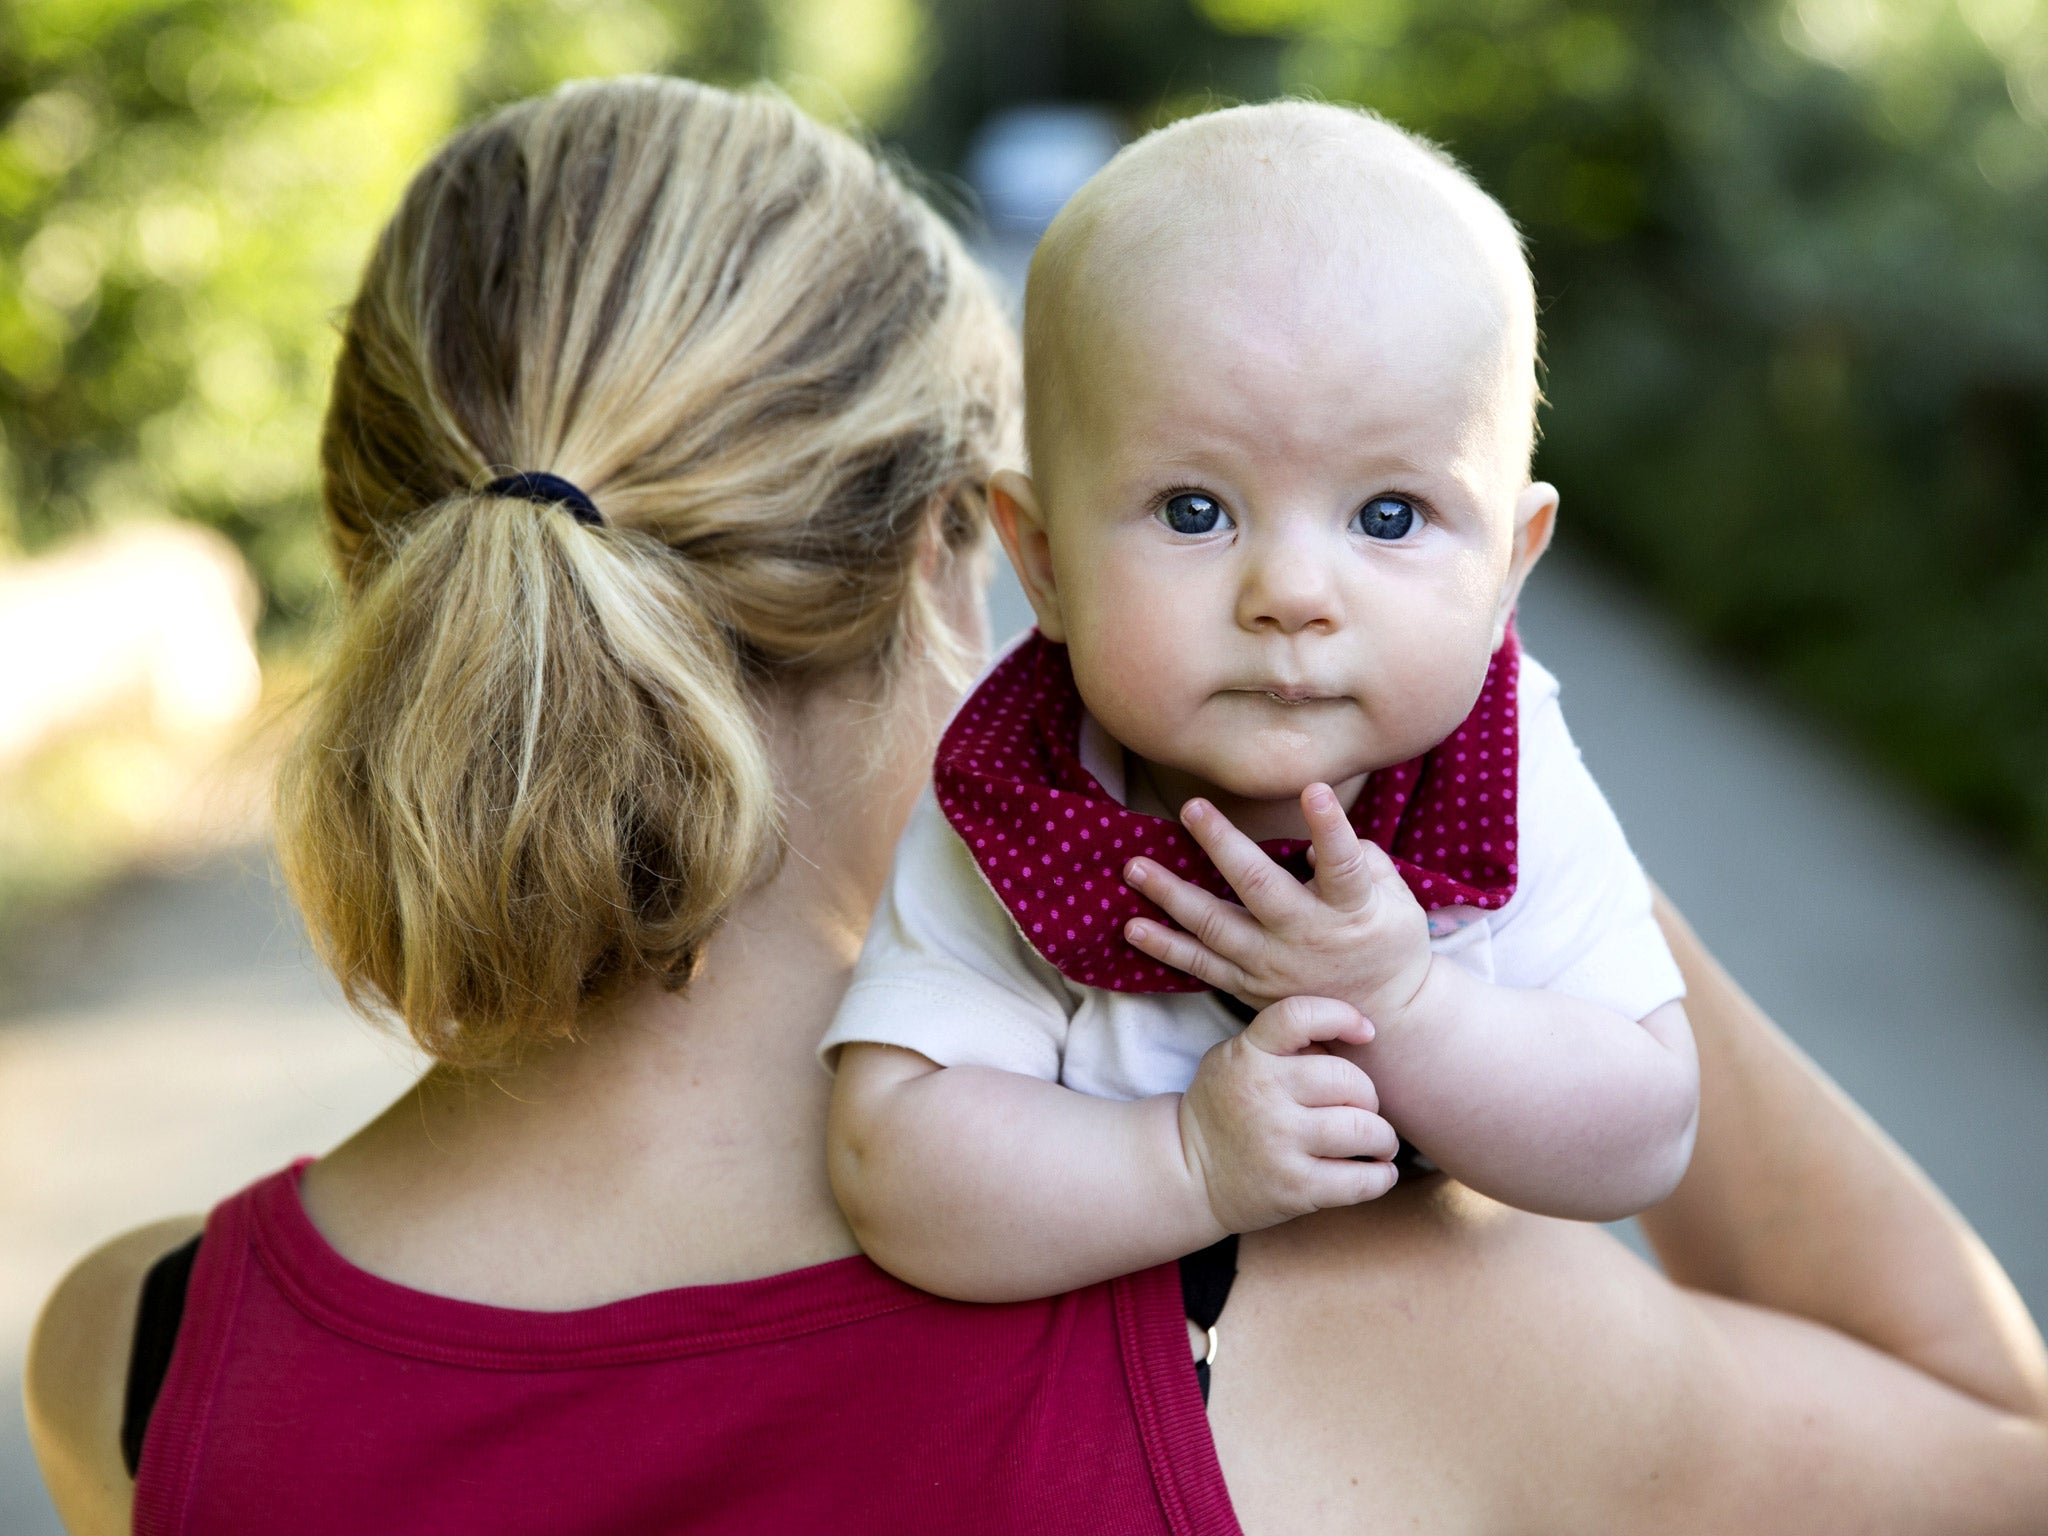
{"x": 1535, "y": 521}
{"x": 1020, "y": 524}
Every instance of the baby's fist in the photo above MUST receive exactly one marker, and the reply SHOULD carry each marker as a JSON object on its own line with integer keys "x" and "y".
{"x": 1273, "y": 1126}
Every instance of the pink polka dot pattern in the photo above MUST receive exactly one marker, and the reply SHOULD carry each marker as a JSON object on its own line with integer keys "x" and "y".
{"x": 1053, "y": 843}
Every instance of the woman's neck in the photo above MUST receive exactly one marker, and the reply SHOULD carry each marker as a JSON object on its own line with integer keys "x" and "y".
{"x": 680, "y": 1139}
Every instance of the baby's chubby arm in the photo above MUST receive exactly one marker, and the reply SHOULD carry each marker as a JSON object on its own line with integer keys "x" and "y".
{"x": 1538, "y": 1099}
{"x": 985, "y": 1185}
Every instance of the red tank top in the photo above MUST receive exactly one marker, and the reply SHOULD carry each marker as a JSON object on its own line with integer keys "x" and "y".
{"x": 310, "y": 1397}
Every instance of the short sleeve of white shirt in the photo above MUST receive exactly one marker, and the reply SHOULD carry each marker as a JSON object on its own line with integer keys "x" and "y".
{"x": 945, "y": 973}
{"x": 1579, "y": 921}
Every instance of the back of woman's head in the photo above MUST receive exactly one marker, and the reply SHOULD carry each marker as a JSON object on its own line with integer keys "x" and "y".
{"x": 533, "y": 772}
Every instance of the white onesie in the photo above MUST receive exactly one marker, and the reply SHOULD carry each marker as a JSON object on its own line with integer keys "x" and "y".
{"x": 945, "y": 972}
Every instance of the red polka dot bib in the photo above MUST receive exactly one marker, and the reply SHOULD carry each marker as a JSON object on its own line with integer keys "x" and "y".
{"x": 1053, "y": 843}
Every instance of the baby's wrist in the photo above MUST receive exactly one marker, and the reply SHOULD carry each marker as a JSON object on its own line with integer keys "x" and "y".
{"x": 1408, "y": 1000}
{"x": 1194, "y": 1195}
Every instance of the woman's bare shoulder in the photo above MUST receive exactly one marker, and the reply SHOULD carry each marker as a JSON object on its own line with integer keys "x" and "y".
{"x": 1432, "y": 1358}
{"x": 1443, "y": 1363}
{"x": 77, "y": 1374}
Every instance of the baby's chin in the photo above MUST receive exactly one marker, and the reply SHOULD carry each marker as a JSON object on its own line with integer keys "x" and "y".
{"x": 1269, "y": 768}
{"x": 1277, "y": 780}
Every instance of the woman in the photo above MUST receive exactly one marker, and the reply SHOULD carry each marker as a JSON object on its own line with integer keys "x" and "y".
{"x": 654, "y": 468}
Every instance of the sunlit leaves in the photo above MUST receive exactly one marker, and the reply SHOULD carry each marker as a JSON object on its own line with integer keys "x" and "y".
{"x": 186, "y": 189}
{"x": 849, "y": 59}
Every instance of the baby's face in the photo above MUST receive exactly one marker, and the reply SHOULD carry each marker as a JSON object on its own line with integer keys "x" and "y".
{"x": 1284, "y": 520}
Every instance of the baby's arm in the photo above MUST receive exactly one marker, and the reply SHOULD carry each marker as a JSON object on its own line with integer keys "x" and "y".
{"x": 1539, "y": 1099}
{"x": 986, "y": 1185}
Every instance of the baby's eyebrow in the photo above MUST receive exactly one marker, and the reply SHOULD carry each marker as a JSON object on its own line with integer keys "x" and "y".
{"x": 1398, "y": 462}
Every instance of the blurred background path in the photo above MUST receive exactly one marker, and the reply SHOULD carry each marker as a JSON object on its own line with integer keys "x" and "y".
{"x": 187, "y": 1045}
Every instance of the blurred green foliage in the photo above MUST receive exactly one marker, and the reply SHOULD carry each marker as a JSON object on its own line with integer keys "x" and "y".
{"x": 1793, "y": 254}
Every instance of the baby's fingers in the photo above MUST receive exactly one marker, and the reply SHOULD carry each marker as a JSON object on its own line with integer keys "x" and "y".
{"x": 1184, "y": 952}
{"x": 1318, "y": 1080}
{"x": 1216, "y": 924}
{"x": 1379, "y": 868}
{"x": 1343, "y": 877}
{"x": 1345, "y": 1132}
{"x": 1268, "y": 892}
{"x": 1338, "y": 1181}
{"x": 1294, "y": 1024}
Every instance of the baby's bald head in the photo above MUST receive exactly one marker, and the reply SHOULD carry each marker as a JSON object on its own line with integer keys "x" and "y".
{"x": 1330, "y": 205}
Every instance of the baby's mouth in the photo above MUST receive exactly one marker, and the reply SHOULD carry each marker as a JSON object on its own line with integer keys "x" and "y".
{"x": 1293, "y": 697}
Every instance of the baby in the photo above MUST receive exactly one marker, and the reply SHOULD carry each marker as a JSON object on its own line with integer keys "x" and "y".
{"x": 1280, "y": 385}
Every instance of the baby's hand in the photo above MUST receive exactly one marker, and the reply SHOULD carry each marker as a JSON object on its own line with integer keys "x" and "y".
{"x": 1272, "y": 1123}
{"x": 1354, "y": 932}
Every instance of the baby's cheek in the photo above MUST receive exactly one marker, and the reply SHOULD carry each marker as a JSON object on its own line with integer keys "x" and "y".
{"x": 1440, "y": 700}
{"x": 1131, "y": 668}
{"x": 1429, "y": 680}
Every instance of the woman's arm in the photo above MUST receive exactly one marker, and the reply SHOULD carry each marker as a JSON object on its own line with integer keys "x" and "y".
{"x": 1442, "y": 1363}
{"x": 1796, "y": 1201}
{"x": 77, "y": 1378}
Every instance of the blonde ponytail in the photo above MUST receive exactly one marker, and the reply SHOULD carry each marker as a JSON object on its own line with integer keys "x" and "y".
{"x": 534, "y": 771}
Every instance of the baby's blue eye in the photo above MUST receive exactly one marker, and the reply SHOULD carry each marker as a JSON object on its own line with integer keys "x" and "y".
{"x": 1386, "y": 517}
{"x": 1193, "y": 512}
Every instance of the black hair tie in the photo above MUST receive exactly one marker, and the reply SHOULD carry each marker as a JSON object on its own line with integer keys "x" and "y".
{"x": 549, "y": 491}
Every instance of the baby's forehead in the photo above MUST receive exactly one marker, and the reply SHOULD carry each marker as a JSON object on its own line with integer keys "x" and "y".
{"x": 1257, "y": 193}
{"x": 1274, "y": 278}
{"x": 1291, "y": 219}
{"x": 1355, "y": 176}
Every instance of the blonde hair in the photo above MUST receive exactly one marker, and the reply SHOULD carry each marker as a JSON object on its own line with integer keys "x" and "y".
{"x": 534, "y": 770}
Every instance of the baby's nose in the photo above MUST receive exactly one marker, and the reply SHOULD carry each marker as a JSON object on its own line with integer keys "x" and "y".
{"x": 1289, "y": 588}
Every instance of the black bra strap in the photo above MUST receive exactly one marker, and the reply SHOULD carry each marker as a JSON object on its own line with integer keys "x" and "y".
{"x": 1206, "y": 1277}
{"x": 157, "y": 1318}
{"x": 1205, "y": 1280}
